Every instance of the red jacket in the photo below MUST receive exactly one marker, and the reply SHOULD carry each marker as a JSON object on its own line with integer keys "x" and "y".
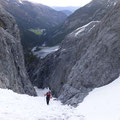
{"x": 48, "y": 94}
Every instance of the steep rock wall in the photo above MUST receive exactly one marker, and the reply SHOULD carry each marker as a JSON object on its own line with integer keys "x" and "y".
{"x": 13, "y": 74}
{"x": 88, "y": 58}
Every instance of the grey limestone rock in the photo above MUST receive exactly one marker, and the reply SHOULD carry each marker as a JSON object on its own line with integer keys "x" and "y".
{"x": 99, "y": 64}
{"x": 88, "y": 58}
{"x": 13, "y": 74}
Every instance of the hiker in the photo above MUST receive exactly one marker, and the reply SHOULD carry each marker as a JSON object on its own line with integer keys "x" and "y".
{"x": 48, "y": 97}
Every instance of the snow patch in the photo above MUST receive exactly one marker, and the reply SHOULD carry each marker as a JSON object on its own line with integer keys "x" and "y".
{"x": 20, "y": 1}
{"x": 15, "y": 106}
{"x": 115, "y": 3}
{"x": 85, "y": 28}
{"x": 91, "y": 28}
{"x": 41, "y": 92}
{"x": 80, "y": 30}
{"x": 101, "y": 104}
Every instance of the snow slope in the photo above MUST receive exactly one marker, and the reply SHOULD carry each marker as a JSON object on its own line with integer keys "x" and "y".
{"x": 101, "y": 104}
{"x": 14, "y": 106}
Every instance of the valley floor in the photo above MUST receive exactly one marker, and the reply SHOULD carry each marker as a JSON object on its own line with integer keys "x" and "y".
{"x": 101, "y": 104}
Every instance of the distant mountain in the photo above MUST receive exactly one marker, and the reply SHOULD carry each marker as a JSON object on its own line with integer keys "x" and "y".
{"x": 67, "y": 12}
{"x": 70, "y": 8}
{"x": 93, "y": 11}
{"x": 31, "y": 18}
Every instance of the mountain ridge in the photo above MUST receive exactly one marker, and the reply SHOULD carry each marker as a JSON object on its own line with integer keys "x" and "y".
{"x": 33, "y": 16}
{"x": 95, "y": 10}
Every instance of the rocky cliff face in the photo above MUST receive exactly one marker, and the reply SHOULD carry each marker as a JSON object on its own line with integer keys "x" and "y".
{"x": 13, "y": 74}
{"x": 89, "y": 57}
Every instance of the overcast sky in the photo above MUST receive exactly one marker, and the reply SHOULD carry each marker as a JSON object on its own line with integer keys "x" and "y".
{"x": 62, "y": 2}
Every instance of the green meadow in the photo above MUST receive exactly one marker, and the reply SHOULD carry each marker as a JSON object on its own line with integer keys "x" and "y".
{"x": 36, "y": 31}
